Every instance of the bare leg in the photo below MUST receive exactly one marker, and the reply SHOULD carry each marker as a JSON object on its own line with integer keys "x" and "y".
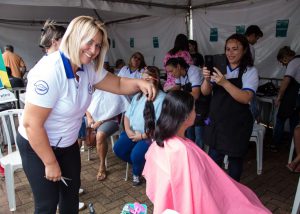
{"x": 297, "y": 146}
{"x": 102, "y": 152}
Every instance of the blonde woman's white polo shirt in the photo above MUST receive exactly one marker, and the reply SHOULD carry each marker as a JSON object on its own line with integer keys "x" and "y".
{"x": 52, "y": 84}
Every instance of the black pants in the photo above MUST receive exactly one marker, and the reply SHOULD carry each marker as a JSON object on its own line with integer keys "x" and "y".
{"x": 235, "y": 166}
{"x": 47, "y": 194}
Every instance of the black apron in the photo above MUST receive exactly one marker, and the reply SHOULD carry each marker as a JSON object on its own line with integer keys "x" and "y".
{"x": 287, "y": 105}
{"x": 201, "y": 104}
{"x": 231, "y": 122}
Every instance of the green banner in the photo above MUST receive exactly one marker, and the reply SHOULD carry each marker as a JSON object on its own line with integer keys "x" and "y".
{"x": 213, "y": 34}
{"x": 131, "y": 42}
{"x": 155, "y": 42}
{"x": 281, "y": 28}
{"x": 113, "y": 44}
{"x": 240, "y": 29}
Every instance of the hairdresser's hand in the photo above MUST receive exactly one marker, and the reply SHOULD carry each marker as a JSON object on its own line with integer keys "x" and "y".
{"x": 137, "y": 136}
{"x": 218, "y": 77}
{"x": 52, "y": 171}
{"x": 148, "y": 89}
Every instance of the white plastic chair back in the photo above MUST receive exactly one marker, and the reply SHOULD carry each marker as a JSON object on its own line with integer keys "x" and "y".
{"x": 10, "y": 120}
{"x": 17, "y": 91}
{"x": 257, "y": 136}
{"x": 296, "y": 205}
{"x": 291, "y": 151}
{"x": 12, "y": 160}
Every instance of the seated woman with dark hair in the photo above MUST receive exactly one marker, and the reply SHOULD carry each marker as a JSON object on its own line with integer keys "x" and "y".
{"x": 181, "y": 177}
{"x": 139, "y": 123}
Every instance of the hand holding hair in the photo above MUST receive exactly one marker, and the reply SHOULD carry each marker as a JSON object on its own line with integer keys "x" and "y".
{"x": 148, "y": 89}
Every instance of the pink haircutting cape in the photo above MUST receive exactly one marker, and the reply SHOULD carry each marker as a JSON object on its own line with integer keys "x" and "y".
{"x": 181, "y": 177}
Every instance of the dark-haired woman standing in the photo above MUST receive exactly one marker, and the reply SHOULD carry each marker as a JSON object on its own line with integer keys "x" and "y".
{"x": 139, "y": 122}
{"x": 180, "y": 49}
{"x": 231, "y": 122}
{"x": 288, "y": 99}
{"x": 189, "y": 78}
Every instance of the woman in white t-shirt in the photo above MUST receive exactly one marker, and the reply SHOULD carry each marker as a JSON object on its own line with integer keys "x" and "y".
{"x": 135, "y": 67}
{"x": 58, "y": 93}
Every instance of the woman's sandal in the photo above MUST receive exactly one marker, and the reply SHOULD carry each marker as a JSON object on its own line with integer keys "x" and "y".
{"x": 293, "y": 167}
{"x": 101, "y": 176}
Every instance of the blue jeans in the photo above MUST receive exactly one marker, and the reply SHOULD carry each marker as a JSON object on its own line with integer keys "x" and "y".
{"x": 132, "y": 152}
{"x": 235, "y": 166}
{"x": 195, "y": 133}
{"x": 82, "y": 130}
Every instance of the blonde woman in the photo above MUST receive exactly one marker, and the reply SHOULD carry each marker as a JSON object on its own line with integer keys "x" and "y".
{"x": 56, "y": 100}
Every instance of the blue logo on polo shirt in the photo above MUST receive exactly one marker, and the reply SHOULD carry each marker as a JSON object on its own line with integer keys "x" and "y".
{"x": 90, "y": 89}
{"x": 41, "y": 87}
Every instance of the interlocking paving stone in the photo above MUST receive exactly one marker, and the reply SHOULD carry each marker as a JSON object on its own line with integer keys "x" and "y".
{"x": 276, "y": 187}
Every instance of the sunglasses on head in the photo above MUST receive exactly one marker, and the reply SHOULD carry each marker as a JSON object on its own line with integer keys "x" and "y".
{"x": 137, "y": 57}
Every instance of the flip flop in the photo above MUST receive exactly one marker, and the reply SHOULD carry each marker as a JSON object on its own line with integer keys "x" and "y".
{"x": 293, "y": 167}
{"x": 297, "y": 169}
{"x": 101, "y": 176}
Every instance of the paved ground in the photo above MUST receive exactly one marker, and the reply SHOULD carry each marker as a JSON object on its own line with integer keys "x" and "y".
{"x": 276, "y": 186}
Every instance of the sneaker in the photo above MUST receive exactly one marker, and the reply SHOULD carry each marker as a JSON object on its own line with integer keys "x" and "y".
{"x": 81, "y": 206}
{"x": 136, "y": 181}
{"x": 80, "y": 192}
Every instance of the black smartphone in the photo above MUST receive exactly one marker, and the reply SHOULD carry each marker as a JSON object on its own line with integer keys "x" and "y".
{"x": 220, "y": 62}
{"x": 209, "y": 63}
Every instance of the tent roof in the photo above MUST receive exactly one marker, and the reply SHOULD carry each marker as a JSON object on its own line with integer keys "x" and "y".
{"x": 108, "y": 11}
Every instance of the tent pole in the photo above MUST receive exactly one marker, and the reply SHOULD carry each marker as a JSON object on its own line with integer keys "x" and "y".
{"x": 217, "y": 3}
{"x": 189, "y": 20}
{"x": 150, "y": 4}
{"x": 98, "y": 16}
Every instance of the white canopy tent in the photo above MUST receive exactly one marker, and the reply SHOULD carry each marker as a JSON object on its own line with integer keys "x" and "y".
{"x": 143, "y": 21}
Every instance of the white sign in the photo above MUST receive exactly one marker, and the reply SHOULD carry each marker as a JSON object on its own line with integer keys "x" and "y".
{"x": 6, "y": 96}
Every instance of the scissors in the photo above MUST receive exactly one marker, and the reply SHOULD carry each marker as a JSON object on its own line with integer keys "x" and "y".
{"x": 65, "y": 178}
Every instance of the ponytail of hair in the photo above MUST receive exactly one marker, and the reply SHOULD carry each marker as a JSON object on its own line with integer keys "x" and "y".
{"x": 149, "y": 118}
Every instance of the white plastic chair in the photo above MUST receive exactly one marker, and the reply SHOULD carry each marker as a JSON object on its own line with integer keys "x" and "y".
{"x": 12, "y": 160}
{"x": 296, "y": 206}
{"x": 257, "y": 136}
{"x": 291, "y": 151}
{"x": 17, "y": 92}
